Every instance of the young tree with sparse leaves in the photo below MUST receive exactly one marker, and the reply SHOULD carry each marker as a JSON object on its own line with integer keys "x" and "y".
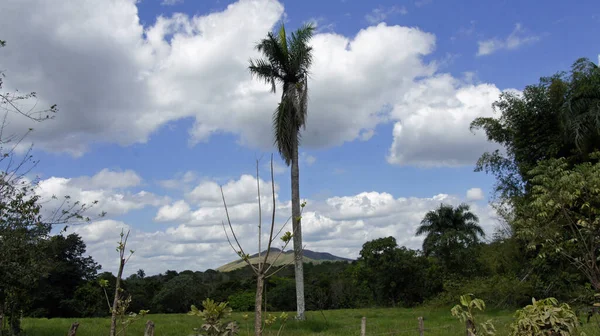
{"x": 563, "y": 217}
{"x": 263, "y": 269}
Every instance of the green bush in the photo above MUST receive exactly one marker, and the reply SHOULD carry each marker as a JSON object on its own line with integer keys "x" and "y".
{"x": 545, "y": 317}
{"x": 242, "y": 301}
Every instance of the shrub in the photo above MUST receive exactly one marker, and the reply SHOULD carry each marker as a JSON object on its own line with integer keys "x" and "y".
{"x": 465, "y": 312}
{"x": 212, "y": 315}
{"x": 242, "y": 301}
{"x": 545, "y": 317}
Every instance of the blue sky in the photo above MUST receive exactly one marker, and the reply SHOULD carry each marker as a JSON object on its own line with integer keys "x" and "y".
{"x": 157, "y": 108}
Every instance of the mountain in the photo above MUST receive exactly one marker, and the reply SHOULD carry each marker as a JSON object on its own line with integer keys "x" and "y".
{"x": 286, "y": 258}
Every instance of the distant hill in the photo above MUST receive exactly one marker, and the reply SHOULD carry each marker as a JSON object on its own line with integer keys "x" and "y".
{"x": 286, "y": 258}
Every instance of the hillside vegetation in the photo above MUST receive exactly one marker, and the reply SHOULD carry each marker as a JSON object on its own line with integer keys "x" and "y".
{"x": 286, "y": 258}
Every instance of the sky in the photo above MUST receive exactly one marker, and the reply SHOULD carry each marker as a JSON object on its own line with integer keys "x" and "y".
{"x": 157, "y": 109}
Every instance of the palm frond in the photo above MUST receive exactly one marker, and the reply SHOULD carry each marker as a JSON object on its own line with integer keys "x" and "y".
{"x": 283, "y": 41}
{"x": 301, "y": 57}
{"x": 272, "y": 50}
{"x": 302, "y": 111}
{"x": 283, "y": 124}
{"x": 263, "y": 70}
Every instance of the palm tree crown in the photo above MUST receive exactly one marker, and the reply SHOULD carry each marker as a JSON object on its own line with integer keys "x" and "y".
{"x": 448, "y": 227}
{"x": 286, "y": 61}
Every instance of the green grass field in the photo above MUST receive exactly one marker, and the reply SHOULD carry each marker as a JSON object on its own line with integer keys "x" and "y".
{"x": 339, "y": 322}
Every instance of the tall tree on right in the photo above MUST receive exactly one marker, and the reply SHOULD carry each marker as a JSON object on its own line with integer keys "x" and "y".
{"x": 448, "y": 230}
{"x": 287, "y": 61}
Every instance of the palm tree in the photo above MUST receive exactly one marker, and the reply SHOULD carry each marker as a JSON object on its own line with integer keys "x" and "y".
{"x": 449, "y": 228}
{"x": 287, "y": 61}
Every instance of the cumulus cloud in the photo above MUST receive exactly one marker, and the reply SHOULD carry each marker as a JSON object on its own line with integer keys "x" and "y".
{"x": 475, "y": 194}
{"x": 181, "y": 181}
{"x": 434, "y": 123}
{"x": 517, "y": 38}
{"x": 176, "y": 211}
{"x": 108, "y": 179}
{"x": 339, "y": 225}
{"x": 113, "y": 195}
{"x": 182, "y": 66}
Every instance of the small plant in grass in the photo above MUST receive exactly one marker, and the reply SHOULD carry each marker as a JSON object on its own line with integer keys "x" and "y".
{"x": 213, "y": 314}
{"x": 465, "y": 312}
{"x": 545, "y": 317}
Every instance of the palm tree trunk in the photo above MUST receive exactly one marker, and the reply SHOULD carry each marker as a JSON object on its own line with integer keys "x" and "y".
{"x": 297, "y": 234}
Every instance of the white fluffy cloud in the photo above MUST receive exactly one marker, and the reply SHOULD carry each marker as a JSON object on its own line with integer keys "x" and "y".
{"x": 339, "y": 225}
{"x": 107, "y": 179}
{"x": 434, "y": 122}
{"x": 518, "y": 37}
{"x": 176, "y": 211}
{"x": 475, "y": 194}
{"x": 110, "y": 193}
{"x": 118, "y": 81}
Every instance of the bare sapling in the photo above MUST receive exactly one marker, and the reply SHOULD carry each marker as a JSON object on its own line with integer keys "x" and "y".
{"x": 120, "y": 303}
{"x": 263, "y": 267}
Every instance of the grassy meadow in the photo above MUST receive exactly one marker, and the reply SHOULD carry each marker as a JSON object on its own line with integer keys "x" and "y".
{"x": 387, "y": 321}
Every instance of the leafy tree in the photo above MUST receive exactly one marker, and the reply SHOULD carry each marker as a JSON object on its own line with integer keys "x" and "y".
{"x": 179, "y": 294}
{"x": 395, "y": 275}
{"x": 287, "y": 61}
{"x": 24, "y": 227}
{"x": 558, "y": 117}
{"x": 449, "y": 232}
{"x": 563, "y": 216}
{"x": 582, "y": 106}
{"x": 69, "y": 269}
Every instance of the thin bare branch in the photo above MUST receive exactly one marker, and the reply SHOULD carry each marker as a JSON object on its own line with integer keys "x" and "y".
{"x": 272, "y": 213}
{"x": 281, "y": 267}
{"x": 233, "y": 232}
{"x": 260, "y": 262}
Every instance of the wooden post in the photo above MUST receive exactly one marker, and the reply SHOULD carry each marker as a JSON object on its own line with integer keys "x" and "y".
{"x": 149, "y": 328}
{"x": 363, "y": 326}
{"x": 421, "y": 326}
{"x": 73, "y": 330}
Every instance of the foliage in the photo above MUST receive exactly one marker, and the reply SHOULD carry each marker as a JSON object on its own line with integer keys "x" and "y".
{"x": 242, "y": 301}
{"x": 24, "y": 225}
{"x": 450, "y": 232}
{"x": 178, "y": 294}
{"x": 563, "y": 216}
{"x": 545, "y": 317}
{"x": 394, "y": 275}
{"x": 212, "y": 315}
{"x": 556, "y": 118}
{"x": 68, "y": 270}
{"x": 465, "y": 313}
{"x": 286, "y": 61}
